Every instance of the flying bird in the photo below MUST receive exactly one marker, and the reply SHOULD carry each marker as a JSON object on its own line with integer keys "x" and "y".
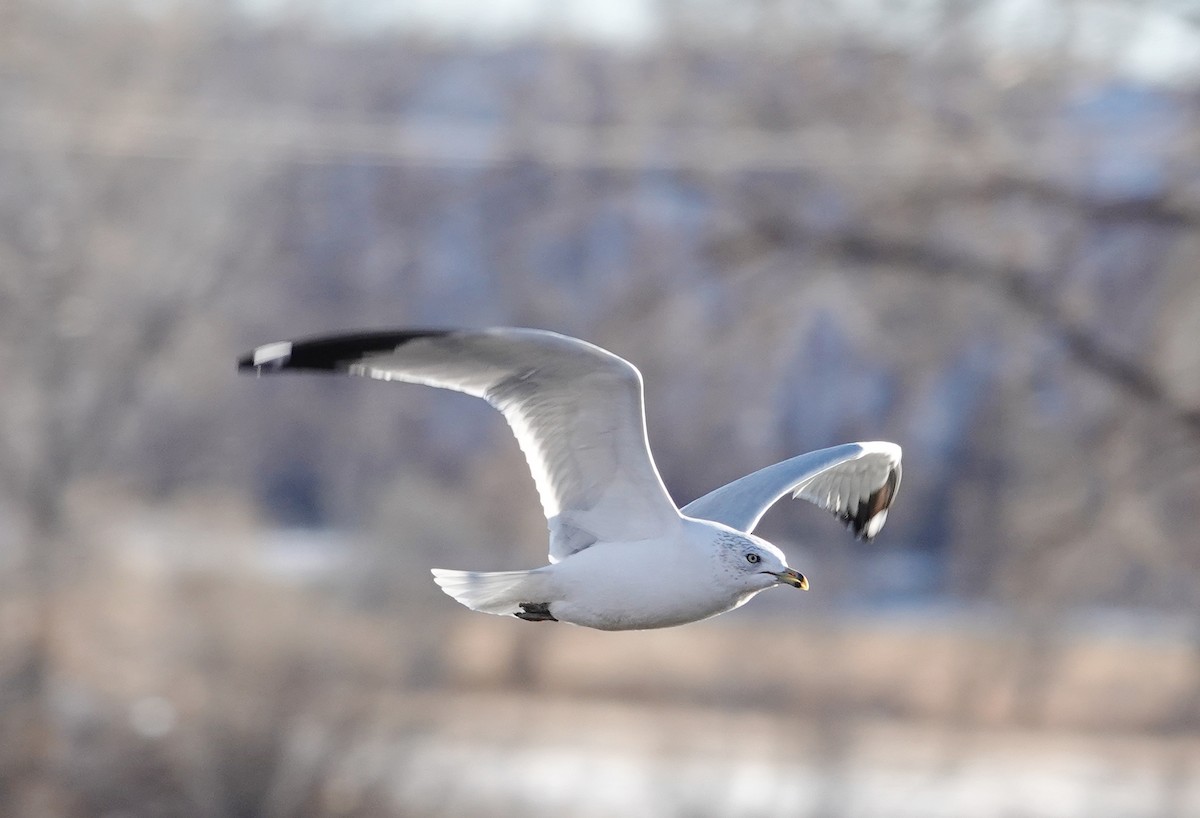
{"x": 623, "y": 556}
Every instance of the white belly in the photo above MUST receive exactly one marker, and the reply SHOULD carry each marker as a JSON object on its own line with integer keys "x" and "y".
{"x": 632, "y": 586}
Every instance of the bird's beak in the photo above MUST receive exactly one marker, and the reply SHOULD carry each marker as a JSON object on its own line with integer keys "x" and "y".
{"x": 794, "y": 578}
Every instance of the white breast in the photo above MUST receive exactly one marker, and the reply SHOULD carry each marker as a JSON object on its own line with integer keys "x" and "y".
{"x": 647, "y": 584}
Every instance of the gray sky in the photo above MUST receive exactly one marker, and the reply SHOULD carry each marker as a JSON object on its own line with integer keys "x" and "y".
{"x": 1147, "y": 40}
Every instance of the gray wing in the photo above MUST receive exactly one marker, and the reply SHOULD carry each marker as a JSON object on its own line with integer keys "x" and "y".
{"x": 856, "y": 481}
{"x": 575, "y": 408}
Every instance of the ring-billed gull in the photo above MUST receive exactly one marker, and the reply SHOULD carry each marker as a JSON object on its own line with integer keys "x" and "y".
{"x": 622, "y": 555}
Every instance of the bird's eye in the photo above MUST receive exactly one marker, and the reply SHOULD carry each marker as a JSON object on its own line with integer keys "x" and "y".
{"x": 753, "y": 558}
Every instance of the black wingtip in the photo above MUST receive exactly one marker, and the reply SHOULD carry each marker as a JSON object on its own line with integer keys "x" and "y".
{"x": 328, "y": 353}
{"x": 863, "y": 521}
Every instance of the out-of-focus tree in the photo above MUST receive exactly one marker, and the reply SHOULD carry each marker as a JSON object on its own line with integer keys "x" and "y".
{"x": 113, "y": 259}
{"x": 988, "y": 257}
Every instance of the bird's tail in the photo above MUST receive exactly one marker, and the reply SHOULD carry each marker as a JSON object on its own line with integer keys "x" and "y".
{"x": 497, "y": 592}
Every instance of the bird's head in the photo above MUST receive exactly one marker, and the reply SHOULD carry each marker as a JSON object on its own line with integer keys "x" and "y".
{"x": 757, "y": 564}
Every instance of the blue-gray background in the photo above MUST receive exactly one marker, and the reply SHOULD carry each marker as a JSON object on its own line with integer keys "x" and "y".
{"x": 970, "y": 228}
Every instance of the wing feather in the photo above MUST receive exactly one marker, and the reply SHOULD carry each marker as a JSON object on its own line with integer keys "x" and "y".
{"x": 856, "y": 481}
{"x": 577, "y": 412}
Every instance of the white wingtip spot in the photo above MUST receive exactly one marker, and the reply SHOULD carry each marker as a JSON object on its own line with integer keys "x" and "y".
{"x": 265, "y": 354}
{"x": 876, "y": 524}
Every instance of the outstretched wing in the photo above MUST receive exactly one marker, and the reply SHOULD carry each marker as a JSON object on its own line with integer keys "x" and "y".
{"x": 575, "y": 408}
{"x": 856, "y": 481}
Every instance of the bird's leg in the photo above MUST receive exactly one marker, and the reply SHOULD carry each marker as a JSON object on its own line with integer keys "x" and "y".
{"x": 535, "y": 612}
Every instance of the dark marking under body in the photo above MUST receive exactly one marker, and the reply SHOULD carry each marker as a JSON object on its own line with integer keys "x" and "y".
{"x": 535, "y": 612}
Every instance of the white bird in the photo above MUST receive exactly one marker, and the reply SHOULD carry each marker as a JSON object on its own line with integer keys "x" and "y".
{"x": 622, "y": 555}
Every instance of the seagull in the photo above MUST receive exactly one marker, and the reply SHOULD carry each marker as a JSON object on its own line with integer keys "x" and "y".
{"x": 623, "y": 556}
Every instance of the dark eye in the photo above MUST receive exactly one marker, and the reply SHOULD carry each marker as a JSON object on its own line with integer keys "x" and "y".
{"x": 753, "y": 558}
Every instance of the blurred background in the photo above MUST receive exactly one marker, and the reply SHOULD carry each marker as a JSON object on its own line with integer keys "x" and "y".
{"x": 972, "y": 228}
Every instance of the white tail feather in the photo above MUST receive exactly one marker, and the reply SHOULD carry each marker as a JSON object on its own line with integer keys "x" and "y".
{"x": 497, "y": 592}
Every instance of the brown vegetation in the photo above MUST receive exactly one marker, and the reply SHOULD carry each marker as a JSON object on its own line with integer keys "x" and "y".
{"x": 799, "y": 241}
